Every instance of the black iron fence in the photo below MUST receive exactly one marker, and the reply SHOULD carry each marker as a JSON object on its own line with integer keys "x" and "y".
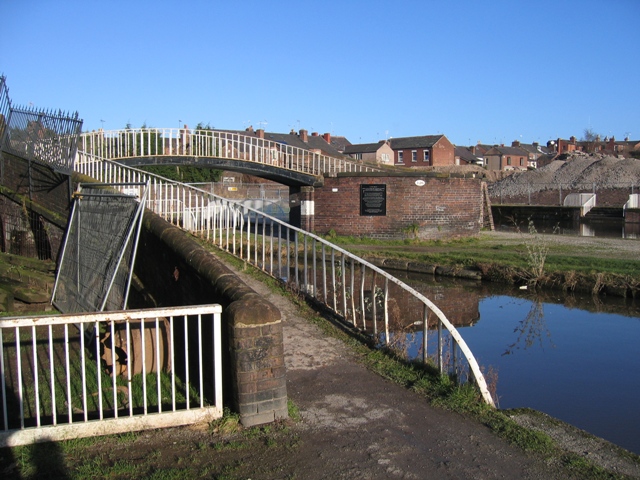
{"x": 43, "y": 136}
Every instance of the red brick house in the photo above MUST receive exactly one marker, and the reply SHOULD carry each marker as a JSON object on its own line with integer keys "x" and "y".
{"x": 506, "y": 158}
{"x": 535, "y": 151}
{"x": 608, "y": 146}
{"x": 424, "y": 151}
{"x": 464, "y": 156}
{"x": 380, "y": 152}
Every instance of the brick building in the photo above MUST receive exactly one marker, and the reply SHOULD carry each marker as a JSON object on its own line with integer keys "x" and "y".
{"x": 380, "y": 152}
{"x": 402, "y": 205}
{"x": 424, "y": 151}
{"x": 506, "y": 158}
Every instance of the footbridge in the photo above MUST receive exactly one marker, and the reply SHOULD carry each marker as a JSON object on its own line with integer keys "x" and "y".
{"x": 244, "y": 153}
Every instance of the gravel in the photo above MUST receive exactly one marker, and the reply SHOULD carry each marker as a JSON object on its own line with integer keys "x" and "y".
{"x": 578, "y": 171}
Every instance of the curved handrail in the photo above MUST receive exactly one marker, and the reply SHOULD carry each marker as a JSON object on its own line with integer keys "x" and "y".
{"x": 268, "y": 246}
{"x": 146, "y": 142}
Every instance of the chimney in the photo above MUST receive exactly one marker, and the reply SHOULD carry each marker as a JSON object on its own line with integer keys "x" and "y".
{"x": 304, "y": 136}
{"x": 314, "y": 134}
{"x": 535, "y": 144}
{"x": 327, "y": 137}
{"x": 515, "y": 143}
{"x": 260, "y": 133}
{"x": 249, "y": 129}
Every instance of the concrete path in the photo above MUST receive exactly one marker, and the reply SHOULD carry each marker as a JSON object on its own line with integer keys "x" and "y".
{"x": 357, "y": 425}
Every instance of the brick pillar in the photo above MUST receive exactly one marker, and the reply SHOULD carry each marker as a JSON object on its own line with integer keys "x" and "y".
{"x": 302, "y": 208}
{"x": 257, "y": 360}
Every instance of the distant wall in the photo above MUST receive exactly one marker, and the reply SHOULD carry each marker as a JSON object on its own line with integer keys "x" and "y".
{"x": 632, "y": 215}
{"x": 427, "y": 205}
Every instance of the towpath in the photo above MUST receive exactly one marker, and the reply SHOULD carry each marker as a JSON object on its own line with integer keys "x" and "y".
{"x": 358, "y": 425}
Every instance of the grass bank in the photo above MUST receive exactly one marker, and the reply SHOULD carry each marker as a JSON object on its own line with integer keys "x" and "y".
{"x": 585, "y": 264}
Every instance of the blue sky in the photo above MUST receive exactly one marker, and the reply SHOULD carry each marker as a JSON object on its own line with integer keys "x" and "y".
{"x": 493, "y": 71}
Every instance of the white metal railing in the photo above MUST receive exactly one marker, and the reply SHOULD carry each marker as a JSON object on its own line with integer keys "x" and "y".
{"x": 364, "y": 295}
{"x": 130, "y": 370}
{"x": 633, "y": 202}
{"x": 586, "y": 201}
{"x": 145, "y": 142}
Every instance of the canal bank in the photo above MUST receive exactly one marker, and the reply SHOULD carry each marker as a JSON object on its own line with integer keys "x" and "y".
{"x": 358, "y": 424}
{"x": 598, "y": 265}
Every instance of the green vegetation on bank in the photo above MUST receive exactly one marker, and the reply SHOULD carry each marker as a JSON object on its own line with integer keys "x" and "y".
{"x": 528, "y": 258}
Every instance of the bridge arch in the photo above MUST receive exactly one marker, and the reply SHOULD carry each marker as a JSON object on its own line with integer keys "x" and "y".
{"x": 290, "y": 178}
{"x": 283, "y": 163}
{"x": 300, "y": 169}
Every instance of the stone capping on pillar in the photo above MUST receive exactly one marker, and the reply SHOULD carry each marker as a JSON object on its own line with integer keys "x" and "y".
{"x": 252, "y": 325}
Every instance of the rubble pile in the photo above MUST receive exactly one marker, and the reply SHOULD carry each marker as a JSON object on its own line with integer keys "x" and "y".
{"x": 578, "y": 171}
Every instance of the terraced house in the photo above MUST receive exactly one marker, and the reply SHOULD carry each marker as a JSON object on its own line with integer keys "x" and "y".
{"x": 423, "y": 151}
{"x": 500, "y": 157}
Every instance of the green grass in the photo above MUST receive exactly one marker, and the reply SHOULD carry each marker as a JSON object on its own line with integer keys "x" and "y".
{"x": 558, "y": 260}
{"x": 92, "y": 373}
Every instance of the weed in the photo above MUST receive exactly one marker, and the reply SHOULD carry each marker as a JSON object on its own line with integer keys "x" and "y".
{"x": 227, "y": 424}
{"x": 293, "y": 411}
{"x": 412, "y": 230}
{"x": 537, "y": 248}
{"x": 128, "y": 437}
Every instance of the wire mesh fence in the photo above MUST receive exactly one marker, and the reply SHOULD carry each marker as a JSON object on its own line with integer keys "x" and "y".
{"x": 97, "y": 258}
{"x": 45, "y": 136}
{"x": 534, "y": 193}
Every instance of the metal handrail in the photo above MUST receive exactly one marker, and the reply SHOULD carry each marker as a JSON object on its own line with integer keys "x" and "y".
{"x": 43, "y": 359}
{"x": 353, "y": 288}
{"x": 633, "y": 202}
{"x": 146, "y": 142}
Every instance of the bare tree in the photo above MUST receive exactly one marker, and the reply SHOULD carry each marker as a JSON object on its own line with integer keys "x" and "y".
{"x": 591, "y": 138}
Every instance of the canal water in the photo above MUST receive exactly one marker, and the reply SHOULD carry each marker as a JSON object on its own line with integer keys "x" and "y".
{"x": 573, "y": 357}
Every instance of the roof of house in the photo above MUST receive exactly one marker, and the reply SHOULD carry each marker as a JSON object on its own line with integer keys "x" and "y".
{"x": 364, "y": 147}
{"x": 534, "y": 148}
{"x": 502, "y": 150}
{"x": 339, "y": 142}
{"x": 465, "y": 154}
{"x": 482, "y": 148}
{"x": 295, "y": 140}
{"x": 425, "y": 141}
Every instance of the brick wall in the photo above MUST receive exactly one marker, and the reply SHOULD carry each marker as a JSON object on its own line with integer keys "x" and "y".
{"x": 632, "y": 216}
{"x": 173, "y": 269}
{"x": 432, "y": 205}
{"x": 443, "y": 153}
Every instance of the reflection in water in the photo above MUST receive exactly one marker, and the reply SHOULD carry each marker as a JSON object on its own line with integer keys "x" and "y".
{"x": 531, "y": 330}
{"x": 569, "y": 356}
